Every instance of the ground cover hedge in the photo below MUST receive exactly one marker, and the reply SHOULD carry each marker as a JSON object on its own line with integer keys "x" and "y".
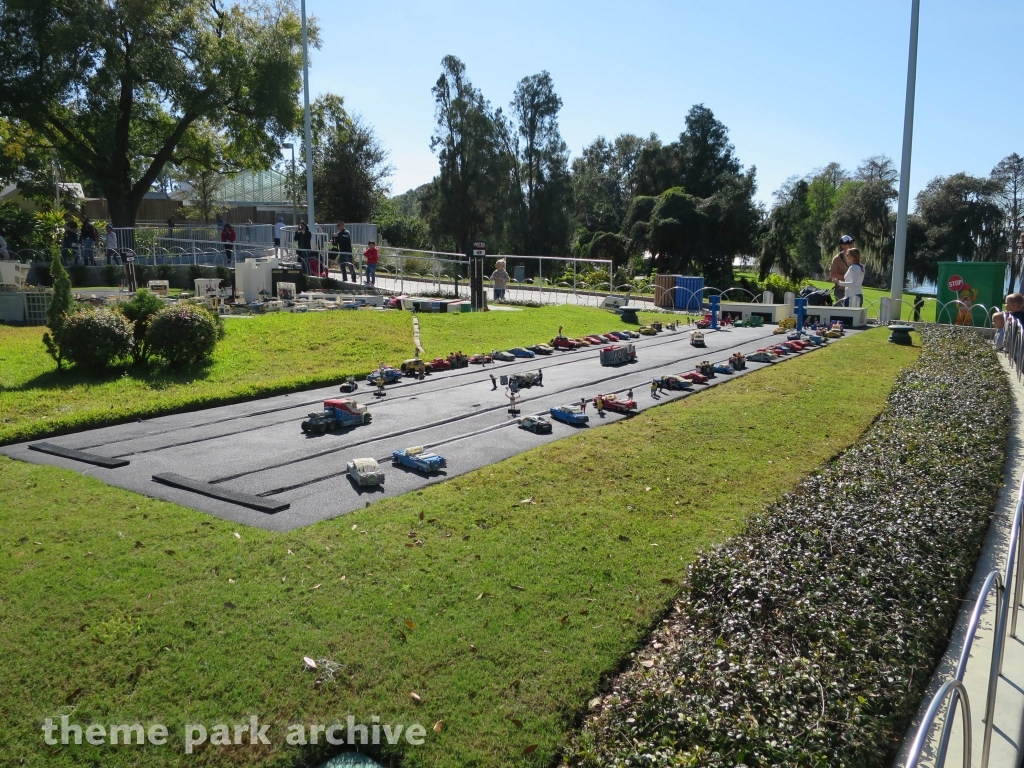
{"x": 808, "y": 639}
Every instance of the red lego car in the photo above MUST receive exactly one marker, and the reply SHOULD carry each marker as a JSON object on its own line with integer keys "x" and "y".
{"x": 611, "y": 337}
{"x": 696, "y": 378}
{"x": 595, "y": 339}
{"x": 613, "y": 403}
{"x": 439, "y": 364}
{"x": 564, "y": 342}
{"x": 481, "y": 359}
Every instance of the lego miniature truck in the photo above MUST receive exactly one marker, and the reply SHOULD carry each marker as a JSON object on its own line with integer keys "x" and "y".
{"x": 618, "y": 354}
{"x": 338, "y": 413}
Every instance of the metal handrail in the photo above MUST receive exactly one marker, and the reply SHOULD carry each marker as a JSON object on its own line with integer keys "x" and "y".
{"x": 933, "y": 711}
{"x": 1004, "y": 616}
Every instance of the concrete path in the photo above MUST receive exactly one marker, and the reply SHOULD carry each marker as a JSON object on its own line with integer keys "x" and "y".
{"x": 257, "y": 448}
{"x": 1008, "y": 723}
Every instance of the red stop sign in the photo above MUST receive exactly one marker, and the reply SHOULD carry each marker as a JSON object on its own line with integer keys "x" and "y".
{"x": 955, "y": 283}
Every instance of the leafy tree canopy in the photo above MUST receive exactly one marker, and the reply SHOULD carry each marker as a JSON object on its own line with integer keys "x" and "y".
{"x": 117, "y": 86}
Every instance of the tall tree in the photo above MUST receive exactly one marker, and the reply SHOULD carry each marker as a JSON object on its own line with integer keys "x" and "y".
{"x": 115, "y": 86}
{"x": 790, "y": 243}
{"x": 1009, "y": 175}
{"x": 958, "y": 218}
{"x": 350, "y": 165}
{"x": 464, "y": 200}
{"x": 604, "y": 181}
{"x": 541, "y": 195}
{"x": 697, "y": 162}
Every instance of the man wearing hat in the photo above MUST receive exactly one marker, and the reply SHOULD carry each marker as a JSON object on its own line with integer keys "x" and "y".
{"x": 840, "y": 264}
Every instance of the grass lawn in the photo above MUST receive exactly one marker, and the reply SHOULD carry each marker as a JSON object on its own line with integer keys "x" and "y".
{"x": 260, "y": 356}
{"x": 499, "y": 597}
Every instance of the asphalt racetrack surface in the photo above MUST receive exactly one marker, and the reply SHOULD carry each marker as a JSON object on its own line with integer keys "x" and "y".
{"x": 256, "y": 451}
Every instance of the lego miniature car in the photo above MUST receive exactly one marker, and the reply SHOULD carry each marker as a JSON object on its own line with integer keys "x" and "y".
{"x": 761, "y": 357}
{"x": 631, "y": 334}
{"x": 583, "y": 342}
{"x": 386, "y": 372}
{"x": 536, "y": 424}
{"x": 365, "y": 472}
{"x": 481, "y": 359}
{"x": 674, "y": 382}
{"x": 564, "y": 342}
{"x": 415, "y": 458}
{"x": 521, "y": 352}
{"x": 595, "y": 339}
{"x": 337, "y": 413}
{"x": 411, "y": 366}
{"x": 697, "y": 339}
{"x": 613, "y": 403}
{"x": 704, "y": 322}
{"x": 695, "y": 377}
{"x": 541, "y": 349}
{"x": 722, "y": 368}
{"x": 439, "y": 364}
{"x": 647, "y": 330}
{"x": 570, "y": 414}
{"x": 526, "y": 379}
{"x": 617, "y": 355}
{"x": 349, "y": 385}
{"x": 612, "y": 337}
{"x": 500, "y": 354}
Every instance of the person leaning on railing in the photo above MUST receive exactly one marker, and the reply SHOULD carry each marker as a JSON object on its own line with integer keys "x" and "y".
{"x": 1014, "y": 307}
{"x": 303, "y": 243}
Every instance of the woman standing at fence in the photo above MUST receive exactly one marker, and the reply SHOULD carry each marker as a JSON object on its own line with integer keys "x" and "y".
{"x": 303, "y": 243}
{"x": 854, "y": 280}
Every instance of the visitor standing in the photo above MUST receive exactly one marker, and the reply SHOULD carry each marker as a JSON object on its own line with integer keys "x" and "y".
{"x": 69, "y": 242}
{"x": 342, "y": 241}
{"x": 228, "y": 236}
{"x": 500, "y": 279}
{"x": 371, "y": 257}
{"x": 853, "y": 280}
{"x": 1013, "y": 308}
{"x": 303, "y": 239}
{"x": 170, "y": 228}
{"x": 583, "y": 404}
{"x": 840, "y": 265}
{"x": 277, "y": 233}
{"x": 494, "y": 382}
{"x": 110, "y": 242}
{"x": 89, "y": 237}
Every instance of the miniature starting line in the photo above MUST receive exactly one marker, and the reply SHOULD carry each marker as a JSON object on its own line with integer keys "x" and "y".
{"x": 224, "y": 494}
{"x": 83, "y": 456}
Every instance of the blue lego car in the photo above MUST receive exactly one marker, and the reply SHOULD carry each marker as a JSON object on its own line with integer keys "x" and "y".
{"x": 570, "y": 414}
{"x": 521, "y": 352}
{"x": 386, "y": 372}
{"x": 415, "y": 458}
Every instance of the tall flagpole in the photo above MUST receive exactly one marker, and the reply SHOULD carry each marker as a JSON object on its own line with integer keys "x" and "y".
{"x": 899, "y": 257}
{"x": 309, "y": 133}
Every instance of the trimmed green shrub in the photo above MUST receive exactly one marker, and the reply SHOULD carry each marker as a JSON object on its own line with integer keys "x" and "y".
{"x": 60, "y": 305}
{"x": 111, "y": 274}
{"x": 79, "y": 275}
{"x": 92, "y": 339}
{"x": 223, "y": 273}
{"x": 139, "y": 311}
{"x": 164, "y": 272}
{"x": 195, "y": 272}
{"x": 809, "y": 639}
{"x": 183, "y": 335}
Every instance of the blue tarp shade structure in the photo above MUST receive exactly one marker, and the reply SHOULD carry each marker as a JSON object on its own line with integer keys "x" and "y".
{"x": 689, "y": 293}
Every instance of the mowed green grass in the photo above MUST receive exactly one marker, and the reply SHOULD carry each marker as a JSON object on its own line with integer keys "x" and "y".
{"x": 500, "y": 597}
{"x": 259, "y": 356}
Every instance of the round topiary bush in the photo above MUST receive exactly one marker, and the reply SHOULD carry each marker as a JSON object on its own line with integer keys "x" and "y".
{"x": 95, "y": 338}
{"x": 182, "y": 335}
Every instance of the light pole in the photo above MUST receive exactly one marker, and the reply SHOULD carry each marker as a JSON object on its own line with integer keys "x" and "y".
{"x": 309, "y": 134}
{"x": 899, "y": 256}
{"x": 295, "y": 191}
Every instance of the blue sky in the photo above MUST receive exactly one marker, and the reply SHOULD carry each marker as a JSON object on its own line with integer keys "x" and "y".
{"x": 799, "y": 84}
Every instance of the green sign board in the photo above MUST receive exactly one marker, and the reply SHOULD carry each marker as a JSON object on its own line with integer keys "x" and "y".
{"x": 969, "y": 291}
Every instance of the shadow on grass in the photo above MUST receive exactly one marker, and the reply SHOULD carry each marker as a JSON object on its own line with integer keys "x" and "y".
{"x": 155, "y": 375}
